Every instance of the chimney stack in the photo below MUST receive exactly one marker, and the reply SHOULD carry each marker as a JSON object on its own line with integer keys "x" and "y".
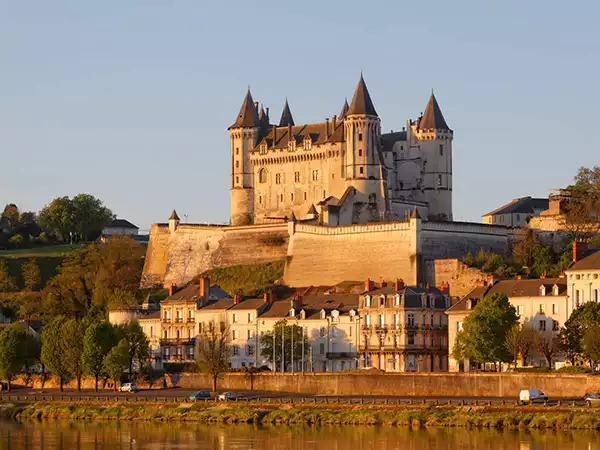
{"x": 268, "y": 297}
{"x": 274, "y": 135}
{"x": 369, "y": 285}
{"x": 204, "y": 290}
{"x": 398, "y": 284}
{"x": 579, "y": 249}
{"x": 445, "y": 288}
{"x": 172, "y": 289}
{"x": 237, "y": 298}
{"x": 327, "y": 127}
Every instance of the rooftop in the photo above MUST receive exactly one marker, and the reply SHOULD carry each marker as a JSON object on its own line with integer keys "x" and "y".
{"x": 590, "y": 262}
{"x": 523, "y": 205}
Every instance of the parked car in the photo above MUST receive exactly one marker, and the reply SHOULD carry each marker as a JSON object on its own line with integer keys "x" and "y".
{"x": 200, "y": 395}
{"x": 532, "y": 395}
{"x": 229, "y": 396}
{"x": 128, "y": 387}
{"x": 592, "y": 398}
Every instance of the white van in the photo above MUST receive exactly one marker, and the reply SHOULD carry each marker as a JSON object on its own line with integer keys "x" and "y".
{"x": 532, "y": 395}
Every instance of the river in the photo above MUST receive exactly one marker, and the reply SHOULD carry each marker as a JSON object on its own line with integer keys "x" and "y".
{"x": 171, "y": 436}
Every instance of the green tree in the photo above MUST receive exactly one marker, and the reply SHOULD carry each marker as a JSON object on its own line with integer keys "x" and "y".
{"x": 54, "y": 350}
{"x": 542, "y": 260}
{"x": 483, "y": 337}
{"x": 581, "y": 320}
{"x": 138, "y": 347}
{"x": 7, "y": 283}
{"x": 90, "y": 216}
{"x": 13, "y": 347}
{"x": 16, "y": 240}
{"x": 591, "y": 345}
{"x": 31, "y": 274}
{"x": 72, "y": 332}
{"x": 212, "y": 350}
{"x": 57, "y": 218}
{"x": 520, "y": 342}
{"x": 282, "y": 337}
{"x": 98, "y": 340}
{"x": 116, "y": 361}
{"x": 11, "y": 216}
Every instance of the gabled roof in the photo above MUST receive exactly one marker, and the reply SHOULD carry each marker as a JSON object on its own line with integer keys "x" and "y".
{"x": 389, "y": 139}
{"x": 590, "y": 262}
{"x": 286, "y": 116}
{"x": 523, "y": 205}
{"x": 312, "y": 210}
{"x": 316, "y": 131}
{"x": 248, "y": 116}
{"x": 361, "y": 101}
{"x": 121, "y": 223}
{"x": 415, "y": 214}
{"x": 433, "y": 119}
{"x": 192, "y": 293}
{"x": 174, "y": 216}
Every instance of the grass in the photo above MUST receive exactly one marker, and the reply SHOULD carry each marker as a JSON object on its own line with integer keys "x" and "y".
{"x": 51, "y": 251}
{"x": 554, "y": 418}
{"x": 252, "y": 279}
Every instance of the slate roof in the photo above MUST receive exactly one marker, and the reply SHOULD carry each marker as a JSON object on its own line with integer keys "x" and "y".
{"x": 389, "y": 139}
{"x": 590, "y": 262}
{"x": 248, "y": 116}
{"x": 121, "y": 223}
{"x": 433, "y": 119}
{"x": 361, "y": 101}
{"x": 523, "y": 205}
{"x": 286, "y": 116}
{"x": 174, "y": 216}
{"x": 249, "y": 303}
{"x": 316, "y": 131}
{"x": 344, "y": 110}
{"x": 192, "y": 292}
{"x": 412, "y": 295}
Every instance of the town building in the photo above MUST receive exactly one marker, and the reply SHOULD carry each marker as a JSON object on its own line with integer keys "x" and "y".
{"x": 517, "y": 213}
{"x": 404, "y": 328}
{"x": 342, "y": 170}
{"x": 542, "y": 304}
{"x": 120, "y": 227}
{"x": 242, "y": 319}
{"x": 583, "y": 276}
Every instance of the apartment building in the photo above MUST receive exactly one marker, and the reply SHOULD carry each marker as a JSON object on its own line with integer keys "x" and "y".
{"x": 242, "y": 319}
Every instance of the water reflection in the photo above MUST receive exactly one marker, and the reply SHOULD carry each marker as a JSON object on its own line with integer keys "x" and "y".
{"x": 82, "y": 435}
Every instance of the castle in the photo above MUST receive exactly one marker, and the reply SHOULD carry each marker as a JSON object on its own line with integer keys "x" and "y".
{"x": 341, "y": 171}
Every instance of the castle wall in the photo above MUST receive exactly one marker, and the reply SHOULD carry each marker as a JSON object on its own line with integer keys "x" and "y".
{"x": 329, "y": 255}
{"x": 192, "y": 249}
{"x": 461, "y": 278}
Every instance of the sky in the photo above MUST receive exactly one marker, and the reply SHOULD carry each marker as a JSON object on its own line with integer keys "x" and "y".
{"x": 130, "y": 100}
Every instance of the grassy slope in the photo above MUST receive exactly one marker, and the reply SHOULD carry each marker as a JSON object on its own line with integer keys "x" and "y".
{"x": 252, "y": 279}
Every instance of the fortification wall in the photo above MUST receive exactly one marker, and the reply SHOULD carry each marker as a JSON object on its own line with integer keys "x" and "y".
{"x": 328, "y": 255}
{"x": 178, "y": 257}
{"x": 461, "y": 278}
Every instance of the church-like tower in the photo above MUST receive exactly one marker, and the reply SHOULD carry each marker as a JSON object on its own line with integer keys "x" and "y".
{"x": 435, "y": 142}
{"x": 362, "y": 129}
{"x": 243, "y": 137}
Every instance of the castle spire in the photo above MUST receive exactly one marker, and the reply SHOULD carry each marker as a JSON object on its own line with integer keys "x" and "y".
{"x": 344, "y": 110}
{"x": 433, "y": 118}
{"x": 286, "y": 116}
{"x": 174, "y": 216}
{"x": 361, "y": 101}
{"x": 247, "y": 116}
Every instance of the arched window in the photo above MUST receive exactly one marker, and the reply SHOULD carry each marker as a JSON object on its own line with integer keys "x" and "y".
{"x": 262, "y": 175}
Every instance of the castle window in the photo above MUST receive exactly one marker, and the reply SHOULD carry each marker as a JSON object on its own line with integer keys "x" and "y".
{"x": 237, "y": 180}
{"x": 441, "y": 149}
{"x": 360, "y": 137}
{"x": 360, "y": 152}
{"x": 315, "y": 175}
{"x": 262, "y": 176}
{"x": 281, "y": 197}
{"x": 305, "y": 196}
{"x": 237, "y": 164}
{"x": 297, "y": 177}
{"x": 362, "y": 170}
{"x": 237, "y": 150}
{"x": 439, "y": 180}
{"x": 292, "y": 197}
{"x": 260, "y": 199}
{"x": 277, "y": 178}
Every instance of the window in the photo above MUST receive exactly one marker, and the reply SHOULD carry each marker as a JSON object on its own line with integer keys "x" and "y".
{"x": 576, "y": 297}
{"x": 381, "y": 320}
{"x": 260, "y": 199}
{"x": 277, "y": 178}
{"x": 190, "y": 352}
{"x": 237, "y": 164}
{"x": 381, "y": 302}
{"x": 177, "y": 334}
{"x": 237, "y": 150}
{"x": 441, "y": 149}
{"x": 360, "y": 152}
{"x": 519, "y": 310}
{"x": 411, "y": 339}
{"x": 359, "y": 137}
{"x": 262, "y": 176}
{"x": 315, "y": 175}
{"x": 250, "y": 350}
{"x": 237, "y": 180}
{"x": 297, "y": 177}
{"x": 439, "y": 180}
{"x": 542, "y": 325}
{"x": 250, "y": 334}
{"x": 362, "y": 170}
{"x": 292, "y": 197}
{"x": 151, "y": 331}
{"x": 322, "y": 332}
{"x": 542, "y": 308}
{"x": 334, "y": 331}
{"x": 555, "y": 308}
{"x": 397, "y": 300}
{"x": 596, "y": 295}
{"x": 432, "y": 320}
{"x": 555, "y": 326}
{"x": 305, "y": 196}
{"x": 235, "y": 317}
{"x": 235, "y": 350}
{"x": 250, "y": 317}
{"x": 235, "y": 334}
{"x": 368, "y": 320}
{"x": 411, "y": 319}
{"x": 281, "y": 198}
{"x": 368, "y": 302}
{"x": 321, "y": 349}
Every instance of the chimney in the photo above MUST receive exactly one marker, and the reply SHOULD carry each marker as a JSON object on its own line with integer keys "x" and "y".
{"x": 327, "y": 127}
{"x": 480, "y": 283}
{"x": 445, "y": 288}
{"x": 334, "y": 120}
{"x": 172, "y": 289}
{"x": 293, "y": 303}
{"x": 274, "y": 135}
{"x": 268, "y": 297}
{"x": 383, "y": 283}
{"x": 369, "y": 285}
{"x": 398, "y": 285}
{"x": 579, "y": 249}
{"x": 204, "y": 290}
{"x": 543, "y": 276}
{"x": 290, "y": 132}
{"x": 237, "y": 298}
{"x": 562, "y": 274}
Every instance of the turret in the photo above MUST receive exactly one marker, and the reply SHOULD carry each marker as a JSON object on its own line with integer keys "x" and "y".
{"x": 243, "y": 137}
{"x": 435, "y": 143}
{"x": 173, "y": 222}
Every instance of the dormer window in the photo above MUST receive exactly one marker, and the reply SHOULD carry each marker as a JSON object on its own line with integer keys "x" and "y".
{"x": 292, "y": 312}
{"x": 382, "y": 301}
{"x": 555, "y": 289}
{"x": 352, "y": 314}
{"x": 292, "y": 145}
{"x": 307, "y": 143}
{"x": 542, "y": 290}
{"x": 263, "y": 148}
{"x": 323, "y": 314}
{"x": 302, "y": 315}
{"x": 368, "y": 301}
{"x": 335, "y": 315}
{"x": 397, "y": 300}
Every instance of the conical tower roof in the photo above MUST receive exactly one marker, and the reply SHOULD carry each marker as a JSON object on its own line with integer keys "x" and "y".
{"x": 263, "y": 117}
{"x": 361, "y": 101}
{"x": 344, "y": 110}
{"x": 415, "y": 214}
{"x": 286, "y": 116}
{"x": 174, "y": 216}
{"x": 247, "y": 116}
{"x": 433, "y": 119}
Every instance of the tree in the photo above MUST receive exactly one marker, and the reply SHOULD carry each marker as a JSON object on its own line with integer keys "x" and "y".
{"x": 212, "y": 350}
{"x": 57, "y": 218}
{"x": 483, "y": 337}
{"x": 582, "y": 318}
{"x": 591, "y": 345}
{"x": 520, "y": 341}
{"x": 31, "y": 274}
{"x": 547, "y": 343}
{"x": 54, "y": 350}
{"x": 89, "y": 216}
{"x": 72, "y": 331}
{"x": 138, "y": 347}
{"x": 580, "y": 202}
{"x": 98, "y": 340}
{"x": 11, "y": 216}
{"x": 7, "y": 283}
{"x": 13, "y": 347}
{"x": 115, "y": 362}
{"x": 283, "y": 333}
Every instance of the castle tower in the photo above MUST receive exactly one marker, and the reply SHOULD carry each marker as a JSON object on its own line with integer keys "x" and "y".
{"x": 362, "y": 130}
{"x": 243, "y": 137}
{"x": 435, "y": 142}
{"x": 173, "y": 222}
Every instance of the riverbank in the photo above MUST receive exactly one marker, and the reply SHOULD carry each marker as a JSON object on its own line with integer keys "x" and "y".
{"x": 499, "y": 417}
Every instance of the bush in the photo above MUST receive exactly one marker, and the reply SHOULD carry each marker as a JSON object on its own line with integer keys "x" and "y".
{"x": 575, "y": 369}
{"x": 532, "y": 370}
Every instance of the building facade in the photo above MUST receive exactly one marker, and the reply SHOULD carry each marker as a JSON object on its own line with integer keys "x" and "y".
{"x": 342, "y": 170}
{"x": 517, "y": 213}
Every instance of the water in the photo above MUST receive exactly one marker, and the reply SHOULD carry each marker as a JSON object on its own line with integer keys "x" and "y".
{"x": 132, "y": 436}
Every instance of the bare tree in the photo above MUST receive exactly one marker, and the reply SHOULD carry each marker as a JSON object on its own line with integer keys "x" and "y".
{"x": 212, "y": 350}
{"x": 548, "y": 345}
{"x": 520, "y": 342}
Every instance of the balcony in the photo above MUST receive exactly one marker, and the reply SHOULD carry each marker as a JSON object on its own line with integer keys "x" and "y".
{"x": 381, "y": 328}
{"x": 179, "y": 320}
{"x": 341, "y": 355}
{"x": 175, "y": 341}
{"x": 411, "y": 326}
{"x": 178, "y": 358}
{"x": 191, "y": 320}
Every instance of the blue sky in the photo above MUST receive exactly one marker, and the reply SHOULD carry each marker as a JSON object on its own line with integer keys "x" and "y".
{"x": 130, "y": 100}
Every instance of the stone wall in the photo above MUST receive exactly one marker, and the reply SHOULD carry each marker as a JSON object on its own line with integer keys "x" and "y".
{"x": 329, "y": 255}
{"x": 461, "y": 278}
{"x": 192, "y": 249}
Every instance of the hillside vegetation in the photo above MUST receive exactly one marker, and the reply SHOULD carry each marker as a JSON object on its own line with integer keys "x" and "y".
{"x": 251, "y": 279}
